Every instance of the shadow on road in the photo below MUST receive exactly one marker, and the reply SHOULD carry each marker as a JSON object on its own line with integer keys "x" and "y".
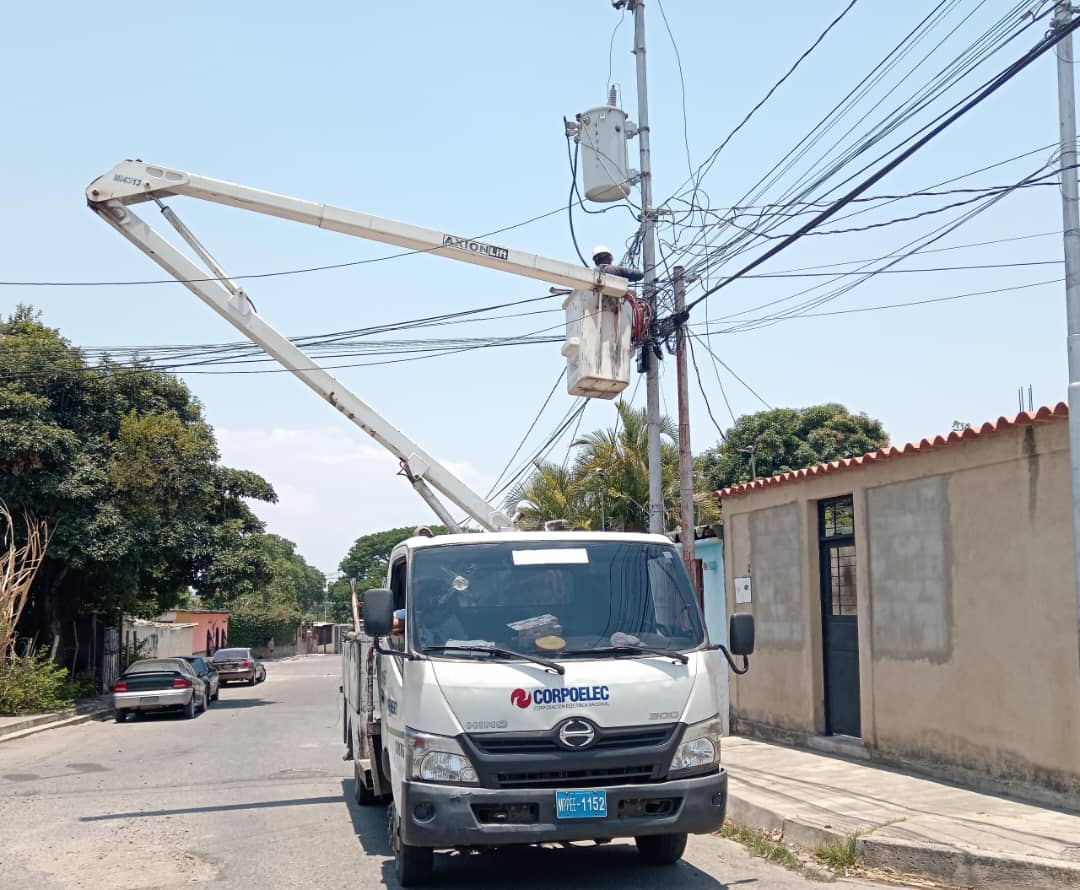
{"x": 229, "y": 704}
{"x": 615, "y": 865}
{"x": 220, "y": 808}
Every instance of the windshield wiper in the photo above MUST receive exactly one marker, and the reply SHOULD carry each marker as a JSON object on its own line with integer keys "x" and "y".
{"x": 500, "y": 653}
{"x": 629, "y": 650}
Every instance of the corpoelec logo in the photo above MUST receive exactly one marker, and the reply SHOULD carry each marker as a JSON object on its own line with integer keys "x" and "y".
{"x": 544, "y": 699}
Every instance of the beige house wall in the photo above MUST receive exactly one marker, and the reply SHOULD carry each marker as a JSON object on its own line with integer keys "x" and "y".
{"x": 966, "y": 598}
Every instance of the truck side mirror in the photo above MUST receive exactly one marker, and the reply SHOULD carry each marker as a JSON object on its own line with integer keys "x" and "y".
{"x": 741, "y": 634}
{"x": 378, "y": 612}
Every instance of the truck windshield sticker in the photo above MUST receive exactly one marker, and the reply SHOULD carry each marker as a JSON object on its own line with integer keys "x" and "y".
{"x": 574, "y": 556}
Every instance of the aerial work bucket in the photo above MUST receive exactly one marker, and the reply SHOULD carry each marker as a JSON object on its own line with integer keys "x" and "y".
{"x": 598, "y": 346}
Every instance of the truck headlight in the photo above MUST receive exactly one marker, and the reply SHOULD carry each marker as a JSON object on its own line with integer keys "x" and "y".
{"x": 437, "y": 758}
{"x": 699, "y": 750}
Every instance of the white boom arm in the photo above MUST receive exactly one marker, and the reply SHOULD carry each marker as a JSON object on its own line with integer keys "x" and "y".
{"x": 131, "y": 182}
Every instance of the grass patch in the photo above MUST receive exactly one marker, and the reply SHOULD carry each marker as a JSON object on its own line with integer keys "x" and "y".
{"x": 839, "y": 855}
{"x": 762, "y": 845}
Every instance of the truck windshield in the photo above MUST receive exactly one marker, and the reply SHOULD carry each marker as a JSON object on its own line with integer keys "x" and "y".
{"x": 550, "y": 598}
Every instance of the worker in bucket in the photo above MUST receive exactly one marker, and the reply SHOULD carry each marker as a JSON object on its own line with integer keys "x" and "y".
{"x": 605, "y": 262}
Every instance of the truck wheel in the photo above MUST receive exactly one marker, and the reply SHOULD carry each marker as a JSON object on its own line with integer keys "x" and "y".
{"x": 413, "y": 865}
{"x": 661, "y": 849}
{"x": 363, "y": 795}
{"x": 121, "y": 716}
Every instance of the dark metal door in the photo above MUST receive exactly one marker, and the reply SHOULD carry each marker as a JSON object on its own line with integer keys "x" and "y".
{"x": 839, "y": 616}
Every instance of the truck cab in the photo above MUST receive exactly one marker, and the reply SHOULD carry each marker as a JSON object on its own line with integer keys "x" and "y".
{"x": 548, "y": 686}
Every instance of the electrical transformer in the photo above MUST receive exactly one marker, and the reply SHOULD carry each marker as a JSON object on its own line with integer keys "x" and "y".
{"x": 602, "y": 136}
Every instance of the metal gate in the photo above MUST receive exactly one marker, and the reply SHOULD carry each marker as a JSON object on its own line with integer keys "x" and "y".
{"x": 110, "y": 659}
{"x": 839, "y": 616}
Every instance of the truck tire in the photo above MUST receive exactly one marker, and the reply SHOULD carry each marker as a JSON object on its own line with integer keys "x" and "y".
{"x": 121, "y": 716}
{"x": 362, "y": 794}
{"x": 413, "y": 865}
{"x": 661, "y": 849}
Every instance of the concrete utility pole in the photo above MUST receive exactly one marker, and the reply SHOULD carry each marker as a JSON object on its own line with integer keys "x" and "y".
{"x": 686, "y": 464}
{"x": 652, "y": 375}
{"x": 1070, "y": 211}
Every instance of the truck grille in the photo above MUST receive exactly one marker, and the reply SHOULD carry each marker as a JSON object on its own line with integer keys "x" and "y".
{"x": 579, "y": 778}
{"x": 609, "y": 739}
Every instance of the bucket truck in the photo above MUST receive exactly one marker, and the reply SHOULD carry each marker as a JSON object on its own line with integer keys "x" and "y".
{"x": 514, "y": 687}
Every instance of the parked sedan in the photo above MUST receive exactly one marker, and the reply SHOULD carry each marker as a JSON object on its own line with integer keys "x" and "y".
{"x": 238, "y": 665}
{"x": 207, "y": 673}
{"x": 159, "y": 684}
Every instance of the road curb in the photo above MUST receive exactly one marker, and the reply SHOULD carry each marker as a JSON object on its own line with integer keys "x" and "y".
{"x": 42, "y": 722}
{"x": 962, "y": 868}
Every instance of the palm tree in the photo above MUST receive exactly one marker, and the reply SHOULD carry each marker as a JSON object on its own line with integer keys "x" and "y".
{"x": 612, "y": 470}
{"x": 551, "y": 492}
{"x": 608, "y": 486}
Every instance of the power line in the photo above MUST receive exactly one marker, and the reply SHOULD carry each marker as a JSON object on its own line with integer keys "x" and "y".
{"x": 748, "y": 387}
{"x": 701, "y": 386}
{"x": 707, "y": 165}
{"x": 884, "y": 306}
{"x": 278, "y": 274}
{"x": 528, "y": 432}
{"x": 981, "y": 95}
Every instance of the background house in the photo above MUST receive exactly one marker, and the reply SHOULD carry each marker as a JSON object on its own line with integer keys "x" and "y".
{"x": 157, "y": 639}
{"x": 211, "y": 628}
{"x": 918, "y": 604}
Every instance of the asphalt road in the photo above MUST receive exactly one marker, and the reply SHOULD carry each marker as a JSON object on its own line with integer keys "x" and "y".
{"x": 254, "y": 794}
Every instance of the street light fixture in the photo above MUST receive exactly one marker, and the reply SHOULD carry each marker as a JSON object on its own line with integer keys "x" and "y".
{"x": 749, "y": 449}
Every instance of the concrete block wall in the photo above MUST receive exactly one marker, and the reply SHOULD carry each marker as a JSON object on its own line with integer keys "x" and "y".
{"x": 969, "y": 651}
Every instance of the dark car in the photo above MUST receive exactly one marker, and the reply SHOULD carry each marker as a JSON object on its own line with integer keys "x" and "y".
{"x": 238, "y": 665}
{"x": 207, "y": 673}
{"x": 159, "y": 684}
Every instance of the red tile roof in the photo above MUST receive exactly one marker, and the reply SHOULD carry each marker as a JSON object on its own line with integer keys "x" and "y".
{"x": 1027, "y": 418}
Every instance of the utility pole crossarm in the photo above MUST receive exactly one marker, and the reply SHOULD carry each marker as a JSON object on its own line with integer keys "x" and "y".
{"x": 132, "y": 182}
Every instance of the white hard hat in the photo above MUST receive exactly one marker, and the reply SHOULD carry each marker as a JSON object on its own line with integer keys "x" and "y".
{"x": 601, "y": 248}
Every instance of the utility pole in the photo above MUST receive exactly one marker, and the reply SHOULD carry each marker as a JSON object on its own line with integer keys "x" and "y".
{"x": 652, "y": 374}
{"x": 1070, "y": 211}
{"x": 686, "y": 465}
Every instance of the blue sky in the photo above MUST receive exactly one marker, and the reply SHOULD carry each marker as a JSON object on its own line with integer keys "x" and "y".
{"x": 450, "y": 115}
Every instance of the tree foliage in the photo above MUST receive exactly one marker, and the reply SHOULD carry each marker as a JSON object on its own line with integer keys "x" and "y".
{"x": 123, "y": 468}
{"x": 369, "y": 556}
{"x": 607, "y": 486}
{"x": 786, "y": 439}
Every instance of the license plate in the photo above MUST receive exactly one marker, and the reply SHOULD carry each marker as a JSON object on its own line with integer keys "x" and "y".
{"x": 148, "y": 700}
{"x": 581, "y": 804}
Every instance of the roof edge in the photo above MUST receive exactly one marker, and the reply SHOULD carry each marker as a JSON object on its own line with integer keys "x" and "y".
{"x": 1025, "y": 418}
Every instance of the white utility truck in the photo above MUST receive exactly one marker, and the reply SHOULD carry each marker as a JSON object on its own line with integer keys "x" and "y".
{"x": 512, "y": 687}
{"x": 541, "y": 687}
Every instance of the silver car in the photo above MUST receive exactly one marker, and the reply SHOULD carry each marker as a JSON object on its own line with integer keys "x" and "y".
{"x": 159, "y": 684}
{"x": 238, "y": 665}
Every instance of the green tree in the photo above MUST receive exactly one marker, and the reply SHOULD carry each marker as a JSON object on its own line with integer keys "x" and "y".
{"x": 552, "y": 492}
{"x": 123, "y": 467}
{"x": 786, "y": 439}
{"x": 369, "y": 555}
{"x": 293, "y": 581}
{"x": 608, "y": 484}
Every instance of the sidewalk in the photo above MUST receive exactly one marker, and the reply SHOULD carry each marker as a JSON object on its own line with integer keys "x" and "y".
{"x": 908, "y": 824}
{"x": 12, "y": 728}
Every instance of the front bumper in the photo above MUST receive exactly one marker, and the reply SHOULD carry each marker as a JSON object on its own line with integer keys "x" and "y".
{"x": 166, "y": 698}
{"x": 461, "y": 817}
